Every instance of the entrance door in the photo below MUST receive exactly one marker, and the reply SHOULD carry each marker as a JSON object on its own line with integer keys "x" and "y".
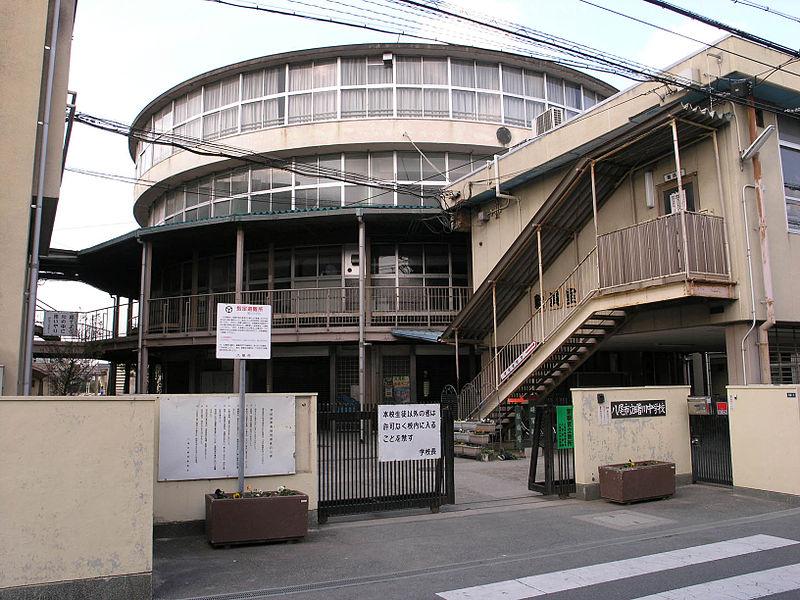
{"x": 711, "y": 445}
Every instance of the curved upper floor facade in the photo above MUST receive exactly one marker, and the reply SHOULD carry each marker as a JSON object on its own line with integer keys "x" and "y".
{"x": 355, "y": 109}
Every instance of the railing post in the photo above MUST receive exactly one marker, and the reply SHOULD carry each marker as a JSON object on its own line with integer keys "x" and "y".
{"x": 681, "y": 197}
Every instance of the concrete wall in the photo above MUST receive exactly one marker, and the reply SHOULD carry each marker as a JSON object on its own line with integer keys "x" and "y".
{"x": 765, "y": 437}
{"x": 78, "y": 499}
{"x": 639, "y": 438}
{"x": 179, "y": 501}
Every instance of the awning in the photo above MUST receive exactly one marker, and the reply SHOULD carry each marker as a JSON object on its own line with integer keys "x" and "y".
{"x": 418, "y": 335}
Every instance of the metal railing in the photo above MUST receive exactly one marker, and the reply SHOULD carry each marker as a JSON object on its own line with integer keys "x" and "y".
{"x": 326, "y": 308}
{"x": 98, "y": 325}
{"x": 657, "y": 248}
{"x": 554, "y": 309}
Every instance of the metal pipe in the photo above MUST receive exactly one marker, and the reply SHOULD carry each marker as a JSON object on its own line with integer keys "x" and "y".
{"x": 238, "y": 364}
{"x": 752, "y": 288}
{"x": 766, "y": 269}
{"x": 140, "y": 355}
{"x": 242, "y": 420}
{"x": 458, "y": 368}
{"x": 681, "y": 196}
{"x": 71, "y": 106}
{"x": 722, "y": 202}
{"x": 33, "y": 275}
{"x": 541, "y": 282}
{"x": 494, "y": 336}
{"x": 594, "y": 202}
{"x": 361, "y": 307}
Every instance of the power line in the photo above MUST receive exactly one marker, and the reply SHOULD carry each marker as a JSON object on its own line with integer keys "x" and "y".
{"x": 766, "y": 8}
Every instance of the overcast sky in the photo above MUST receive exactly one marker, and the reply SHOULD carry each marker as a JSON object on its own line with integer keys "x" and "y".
{"x": 126, "y": 52}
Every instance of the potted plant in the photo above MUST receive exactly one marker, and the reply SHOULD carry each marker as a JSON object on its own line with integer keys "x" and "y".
{"x": 256, "y": 516}
{"x": 635, "y": 481}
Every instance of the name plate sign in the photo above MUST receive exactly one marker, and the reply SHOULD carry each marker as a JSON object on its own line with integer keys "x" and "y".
{"x": 628, "y": 409}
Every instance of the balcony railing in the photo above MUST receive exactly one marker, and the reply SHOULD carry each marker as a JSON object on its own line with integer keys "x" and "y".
{"x": 307, "y": 308}
{"x": 98, "y": 325}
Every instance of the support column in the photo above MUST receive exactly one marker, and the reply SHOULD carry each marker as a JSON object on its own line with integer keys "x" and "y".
{"x": 112, "y": 379}
{"x": 362, "y": 273}
{"x": 239, "y": 286}
{"x": 142, "y": 366}
{"x": 681, "y": 196}
{"x": 458, "y": 366}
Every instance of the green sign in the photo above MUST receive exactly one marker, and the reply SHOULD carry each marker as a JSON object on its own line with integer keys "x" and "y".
{"x": 565, "y": 434}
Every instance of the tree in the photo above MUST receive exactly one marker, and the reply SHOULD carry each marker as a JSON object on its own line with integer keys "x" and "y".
{"x": 68, "y": 371}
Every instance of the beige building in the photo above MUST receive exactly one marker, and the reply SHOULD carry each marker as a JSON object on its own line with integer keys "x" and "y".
{"x": 26, "y": 44}
{"x": 645, "y": 228}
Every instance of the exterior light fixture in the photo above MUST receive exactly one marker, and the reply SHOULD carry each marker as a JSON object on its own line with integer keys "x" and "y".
{"x": 758, "y": 143}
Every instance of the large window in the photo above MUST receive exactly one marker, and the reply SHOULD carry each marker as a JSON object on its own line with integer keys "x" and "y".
{"x": 789, "y": 134}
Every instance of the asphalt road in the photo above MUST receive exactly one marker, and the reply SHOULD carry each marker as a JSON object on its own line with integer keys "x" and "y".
{"x": 502, "y": 540}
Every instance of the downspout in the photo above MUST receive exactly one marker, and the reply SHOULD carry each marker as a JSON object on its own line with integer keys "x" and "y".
{"x": 502, "y": 196}
{"x": 752, "y": 289}
{"x": 763, "y": 337}
{"x": 33, "y": 275}
{"x": 361, "y": 308}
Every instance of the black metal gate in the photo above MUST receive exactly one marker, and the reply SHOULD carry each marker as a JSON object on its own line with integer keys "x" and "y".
{"x": 711, "y": 447}
{"x": 352, "y": 480}
{"x": 559, "y": 463}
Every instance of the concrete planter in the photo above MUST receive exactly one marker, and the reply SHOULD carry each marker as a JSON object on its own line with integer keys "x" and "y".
{"x": 485, "y": 428}
{"x": 480, "y": 439}
{"x": 644, "y": 480}
{"x": 461, "y": 436}
{"x": 467, "y": 451}
{"x": 465, "y": 425}
{"x": 256, "y": 519}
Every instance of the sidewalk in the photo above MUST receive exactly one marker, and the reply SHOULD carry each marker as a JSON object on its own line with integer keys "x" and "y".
{"x": 496, "y": 528}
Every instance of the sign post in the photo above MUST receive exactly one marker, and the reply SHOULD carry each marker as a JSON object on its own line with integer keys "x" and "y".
{"x": 244, "y": 331}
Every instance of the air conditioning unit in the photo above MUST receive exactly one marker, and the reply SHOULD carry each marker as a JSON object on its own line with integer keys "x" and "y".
{"x": 549, "y": 119}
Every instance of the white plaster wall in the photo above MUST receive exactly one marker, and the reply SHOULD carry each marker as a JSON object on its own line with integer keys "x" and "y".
{"x": 764, "y": 425}
{"x": 641, "y": 438}
{"x": 77, "y": 479}
{"x": 177, "y": 501}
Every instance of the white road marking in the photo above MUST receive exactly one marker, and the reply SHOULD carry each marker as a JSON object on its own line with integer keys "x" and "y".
{"x": 547, "y": 583}
{"x": 741, "y": 587}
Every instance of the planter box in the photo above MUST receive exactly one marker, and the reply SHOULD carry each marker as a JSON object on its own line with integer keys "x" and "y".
{"x": 465, "y": 425}
{"x": 485, "y": 428}
{"x": 644, "y": 481}
{"x": 467, "y": 451}
{"x": 261, "y": 519}
{"x": 461, "y": 436}
{"x": 479, "y": 438}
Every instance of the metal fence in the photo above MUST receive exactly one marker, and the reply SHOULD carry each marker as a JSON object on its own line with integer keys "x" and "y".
{"x": 100, "y": 324}
{"x": 352, "y": 480}
{"x": 559, "y": 463}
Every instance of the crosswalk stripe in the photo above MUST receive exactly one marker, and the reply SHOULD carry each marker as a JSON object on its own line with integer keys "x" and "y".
{"x": 547, "y": 583}
{"x": 740, "y": 587}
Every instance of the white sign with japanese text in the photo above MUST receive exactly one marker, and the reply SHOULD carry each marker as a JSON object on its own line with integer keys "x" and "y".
{"x": 60, "y": 323}
{"x": 198, "y": 436}
{"x": 244, "y": 331}
{"x": 409, "y": 432}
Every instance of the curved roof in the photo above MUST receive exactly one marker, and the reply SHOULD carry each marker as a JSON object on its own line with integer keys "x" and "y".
{"x": 467, "y": 52}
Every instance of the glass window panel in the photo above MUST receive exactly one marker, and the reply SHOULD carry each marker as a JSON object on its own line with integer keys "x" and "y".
{"x": 356, "y": 163}
{"x": 488, "y": 107}
{"x": 354, "y": 71}
{"x": 382, "y": 165}
{"x": 274, "y": 111}
{"x": 252, "y": 85}
{"x": 571, "y": 114}
{"x": 281, "y": 178}
{"x": 462, "y": 73}
{"x": 330, "y": 163}
{"x": 409, "y": 69}
{"x": 304, "y": 166}
{"x": 181, "y": 109}
{"x": 463, "y": 105}
{"x": 408, "y": 166}
{"x": 204, "y": 190}
{"x": 532, "y": 110}
{"x": 381, "y": 197}
{"x": 573, "y": 95}
{"x": 305, "y": 199}
{"x": 325, "y": 73}
{"x": 354, "y": 103}
{"x": 192, "y": 131}
{"x": 330, "y": 196}
{"x": 282, "y": 262}
{"x": 222, "y": 186}
{"x": 434, "y": 71}
{"x": 192, "y": 197}
{"x": 172, "y": 203}
{"x": 239, "y": 183}
{"x": 259, "y": 203}
{"x": 229, "y": 121}
{"x": 790, "y": 161}
{"x": 211, "y": 126}
{"x": 305, "y": 262}
{"x": 437, "y": 103}
{"x": 512, "y": 80}
{"x": 459, "y": 165}
{"x": 555, "y": 90}
{"x": 380, "y": 102}
{"x": 409, "y": 102}
{"x": 382, "y": 259}
{"x": 257, "y": 266}
{"x": 436, "y": 171}
{"x": 436, "y": 259}
{"x": 514, "y": 110}
{"x": 487, "y": 76}
{"x": 282, "y": 201}
{"x": 252, "y": 115}
{"x": 300, "y": 77}
{"x": 222, "y": 209}
{"x": 259, "y": 179}
{"x": 229, "y": 90}
{"x": 211, "y": 96}
{"x": 191, "y": 215}
{"x": 430, "y": 195}
{"x": 324, "y": 106}
{"x": 793, "y": 215}
{"x": 203, "y": 212}
{"x": 789, "y": 129}
{"x": 534, "y": 84}
{"x": 330, "y": 261}
{"x": 356, "y": 194}
{"x": 378, "y": 71}
{"x": 239, "y": 206}
{"x": 589, "y": 99}
{"x": 409, "y": 195}
{"x": 275, "y": 81}
{"x": 300, "y": 108}
{"x": 409, "y": 259}
{"x": 460, "y": 261}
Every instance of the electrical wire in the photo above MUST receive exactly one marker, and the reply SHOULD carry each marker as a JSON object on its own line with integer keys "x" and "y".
{"x": 766, "y": 8}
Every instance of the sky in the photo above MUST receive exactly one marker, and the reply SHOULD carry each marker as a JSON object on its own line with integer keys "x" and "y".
{"x": 127, "y": 52}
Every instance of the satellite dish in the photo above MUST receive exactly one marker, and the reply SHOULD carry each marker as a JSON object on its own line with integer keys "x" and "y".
{"x": 503, "y": 135}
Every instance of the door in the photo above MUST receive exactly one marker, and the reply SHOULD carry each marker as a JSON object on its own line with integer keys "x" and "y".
{"x": 711, "y": 445}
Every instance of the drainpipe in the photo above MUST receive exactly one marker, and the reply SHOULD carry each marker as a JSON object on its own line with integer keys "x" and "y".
{"x": 763, "y": 338}
{"x": 361, "y": 308}
{"x": 502, "y": 196}
{"x": 752, "y": 289}
{"x": 144, "y": 313}
{"x": 33, "y": 276}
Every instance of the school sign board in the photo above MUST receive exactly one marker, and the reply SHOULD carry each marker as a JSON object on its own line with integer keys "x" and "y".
{"x": 244, "y": 331}
{"x": 409, "y": 432}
